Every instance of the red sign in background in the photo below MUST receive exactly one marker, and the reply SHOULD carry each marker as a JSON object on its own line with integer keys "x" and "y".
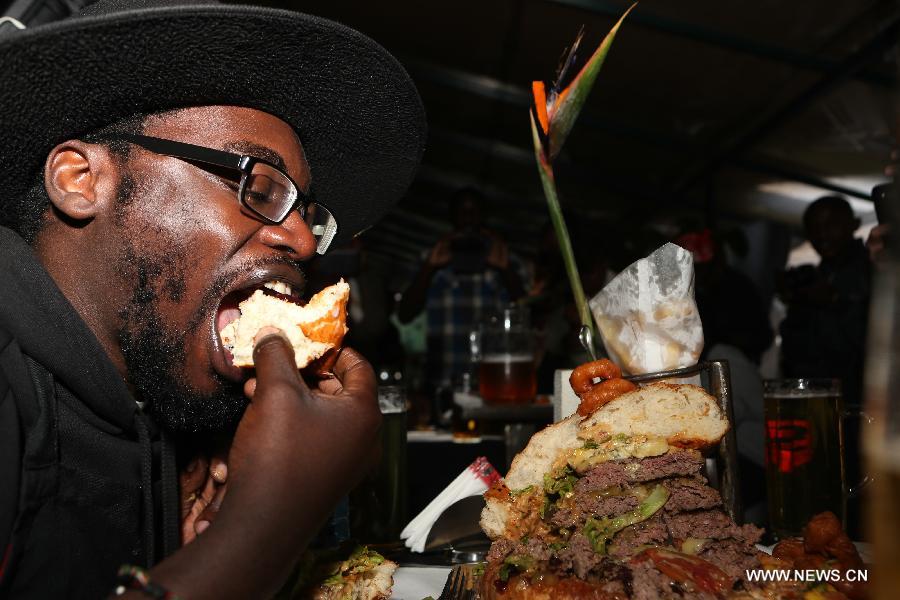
{"x": 788, "y": 443}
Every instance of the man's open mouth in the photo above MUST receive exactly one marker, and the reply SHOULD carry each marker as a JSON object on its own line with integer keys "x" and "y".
{"x": 229, "y": 310}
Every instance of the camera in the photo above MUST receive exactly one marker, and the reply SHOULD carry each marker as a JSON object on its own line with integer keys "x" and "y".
{"x": 469, "y": 253}
{"x": 885, "y": 198}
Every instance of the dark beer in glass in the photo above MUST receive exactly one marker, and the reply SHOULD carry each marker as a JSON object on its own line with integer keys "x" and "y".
{"x": 507, "y": 378}
{"x": 805, "y": 472}
{"x": 507, "y": 373}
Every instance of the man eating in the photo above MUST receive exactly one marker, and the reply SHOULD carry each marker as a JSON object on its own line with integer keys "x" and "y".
{"x": 158, "y": 161}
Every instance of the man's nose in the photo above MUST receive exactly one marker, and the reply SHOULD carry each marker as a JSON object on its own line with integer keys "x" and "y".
{"x": 292, "y": 236}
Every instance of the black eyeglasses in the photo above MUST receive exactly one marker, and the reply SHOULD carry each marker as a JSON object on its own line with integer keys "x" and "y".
{"x": 263, "y": 189}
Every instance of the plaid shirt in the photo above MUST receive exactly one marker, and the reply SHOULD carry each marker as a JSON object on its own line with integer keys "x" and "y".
{"x": 455, "y": 306}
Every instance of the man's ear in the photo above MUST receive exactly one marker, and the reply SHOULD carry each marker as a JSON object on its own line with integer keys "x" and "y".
{"x": 78, "y": 177}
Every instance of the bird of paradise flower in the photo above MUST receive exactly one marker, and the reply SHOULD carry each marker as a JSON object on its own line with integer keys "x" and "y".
{"x": 553, "y": 115}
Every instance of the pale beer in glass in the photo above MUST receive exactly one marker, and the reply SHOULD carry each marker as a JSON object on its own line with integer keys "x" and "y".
{"x": 805, "y": 471}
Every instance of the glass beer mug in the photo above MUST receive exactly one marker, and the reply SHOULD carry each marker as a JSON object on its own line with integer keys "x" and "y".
{"x": 805, "y": 471}
{"x": 507, "y": 372}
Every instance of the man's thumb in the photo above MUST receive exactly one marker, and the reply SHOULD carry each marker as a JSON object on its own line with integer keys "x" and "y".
{"x": 273, "y": 357}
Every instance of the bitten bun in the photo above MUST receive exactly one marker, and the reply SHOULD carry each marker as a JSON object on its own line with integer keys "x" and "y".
{"x": 685, "y": 415}
{"x": 373, "y": 584}
{"x": 315, "y": 330}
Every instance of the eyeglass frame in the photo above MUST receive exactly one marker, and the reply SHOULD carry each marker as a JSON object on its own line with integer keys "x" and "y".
{"x": 242, "y": 163}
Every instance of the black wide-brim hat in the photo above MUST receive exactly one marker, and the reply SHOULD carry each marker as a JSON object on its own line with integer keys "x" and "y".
{"x": 355, "y": 109}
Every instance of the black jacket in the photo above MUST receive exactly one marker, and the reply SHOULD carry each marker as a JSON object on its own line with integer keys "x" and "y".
{"x": 87, "y": 482}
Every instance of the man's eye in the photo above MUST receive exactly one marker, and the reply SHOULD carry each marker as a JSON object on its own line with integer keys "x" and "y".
{"x": 257, "y": 198}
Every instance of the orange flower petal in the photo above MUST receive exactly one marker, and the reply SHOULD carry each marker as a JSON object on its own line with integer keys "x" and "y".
{"x": 540, "y": 103}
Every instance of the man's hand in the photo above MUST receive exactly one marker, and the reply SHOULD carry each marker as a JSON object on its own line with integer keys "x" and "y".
{"x": 296, "y": 451}
{"x": 877, "y": 243}
{"x": 339, "y": 419}
{"x": 440, "y": 254}
{"x": 202, "y": 491}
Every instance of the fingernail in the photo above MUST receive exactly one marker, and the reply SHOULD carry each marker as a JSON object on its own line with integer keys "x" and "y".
{"x": 201, "y": 526}
{"x": 267, "y": 331}
{"x": 191, "y": 466}
{"x": 220, "y": 472}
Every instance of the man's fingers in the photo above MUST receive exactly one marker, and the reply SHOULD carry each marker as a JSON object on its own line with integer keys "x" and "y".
{"x": 331, "y": 386}
{"x": 193, "y": 476}
{"x": 274, "y": 359}
{"x": 209, "y": 513}
{"x": 218, "y": 469}
{"x": 356, "y": 375}
{"x": 250, "y": 387}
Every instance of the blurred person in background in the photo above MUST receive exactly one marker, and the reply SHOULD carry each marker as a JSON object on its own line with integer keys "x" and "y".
{"x": 467, "y": 275}
{"x": 731, "y": 307}
{"x": 735, "y": 328}
{"x": 824, "y": 333}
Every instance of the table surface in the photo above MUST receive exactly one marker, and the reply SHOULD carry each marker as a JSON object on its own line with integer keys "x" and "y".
{"x": 511, "y": 413}
{"x": 443, "y": 437}
{"x": 415, "y": 583}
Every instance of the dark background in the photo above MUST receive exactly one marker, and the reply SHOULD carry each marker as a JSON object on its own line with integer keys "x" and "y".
{"x": 740, "y": 111}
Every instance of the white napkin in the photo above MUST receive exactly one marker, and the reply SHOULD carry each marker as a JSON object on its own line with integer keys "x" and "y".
{"x": 473, "y": 481}
{"x": 647, "y": 315}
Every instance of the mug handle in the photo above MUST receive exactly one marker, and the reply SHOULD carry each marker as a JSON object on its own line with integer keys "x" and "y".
{"x": 856, "y": 490}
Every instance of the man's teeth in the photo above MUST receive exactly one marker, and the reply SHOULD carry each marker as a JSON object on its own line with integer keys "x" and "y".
{"x": 279, "y": 286}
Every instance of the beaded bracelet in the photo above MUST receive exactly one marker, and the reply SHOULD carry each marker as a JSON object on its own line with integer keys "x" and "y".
{"x": 136, "y": 578}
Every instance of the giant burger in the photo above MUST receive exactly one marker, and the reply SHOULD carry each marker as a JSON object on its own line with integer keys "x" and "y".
{"x": 615, "y": 505}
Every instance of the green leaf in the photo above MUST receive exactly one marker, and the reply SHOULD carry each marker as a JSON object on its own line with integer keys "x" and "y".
{"x": 572, "y": 99}
{"x": 600, "y": 531}
{"x": 545, "y": 507}
{"x": 561, "y": 484}
{"x": 515, "y": 563}
{"x": 562, "y": 233}
{"x": 524, "y": 490}
{"x": 556, "y": 547}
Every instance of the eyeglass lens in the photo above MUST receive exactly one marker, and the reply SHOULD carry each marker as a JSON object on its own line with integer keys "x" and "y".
{"x": 269, "y": 192}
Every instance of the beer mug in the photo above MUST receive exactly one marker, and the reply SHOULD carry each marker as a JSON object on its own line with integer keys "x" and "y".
{"x": 507, "y": 374}
{"x": 378, "y": 505}
{"x": 465, "y": 427}
{"x": 805, "y": 471}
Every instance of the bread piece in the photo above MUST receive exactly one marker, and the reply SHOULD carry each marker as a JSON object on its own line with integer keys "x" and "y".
{"x": 528, "y": 468}
{"x": 543, "y": 449}
{"x": 372, "y": 584}
{"x": 685, "y": 415}
{"x": 313, "y": 329}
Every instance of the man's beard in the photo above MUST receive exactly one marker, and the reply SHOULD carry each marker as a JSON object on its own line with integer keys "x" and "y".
{"x": 155, "y": 356}
{"x": 155, "y": 353}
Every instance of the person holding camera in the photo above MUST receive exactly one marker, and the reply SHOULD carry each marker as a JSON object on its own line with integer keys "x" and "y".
{"x": 467, "y": 275}
{"x": 825, "y": 330}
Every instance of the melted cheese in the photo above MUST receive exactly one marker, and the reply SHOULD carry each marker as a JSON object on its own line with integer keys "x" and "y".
{"x": 616, "y": 447}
